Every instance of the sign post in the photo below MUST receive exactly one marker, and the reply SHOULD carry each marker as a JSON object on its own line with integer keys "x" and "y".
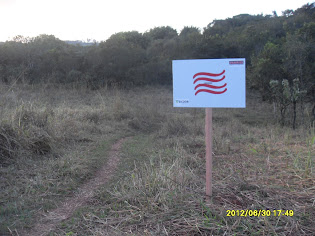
{"x": 209, "y": 83}
{"x": 208, "y": 133}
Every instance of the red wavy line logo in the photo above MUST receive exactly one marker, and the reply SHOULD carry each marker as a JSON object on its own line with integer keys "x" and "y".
{"x": 205, "y": 77}
{"x": 210, "y": 80}
{"x": 208, "y": 74}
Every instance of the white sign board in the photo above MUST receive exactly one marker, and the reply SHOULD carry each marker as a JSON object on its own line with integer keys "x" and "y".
{"x": 209, "y": 83}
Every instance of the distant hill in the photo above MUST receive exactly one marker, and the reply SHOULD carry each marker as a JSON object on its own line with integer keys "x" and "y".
{"x": 76, "y": 42}
{"x": 81, "y": 43}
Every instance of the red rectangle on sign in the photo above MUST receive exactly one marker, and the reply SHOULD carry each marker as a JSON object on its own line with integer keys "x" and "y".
{"x": 236, "y": 62}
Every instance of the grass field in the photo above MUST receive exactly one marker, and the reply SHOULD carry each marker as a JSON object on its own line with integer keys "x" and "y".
{"x": 52, "y": 140}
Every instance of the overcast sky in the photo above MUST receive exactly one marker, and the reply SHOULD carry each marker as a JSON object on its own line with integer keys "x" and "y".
{"x": 98, "y": 19}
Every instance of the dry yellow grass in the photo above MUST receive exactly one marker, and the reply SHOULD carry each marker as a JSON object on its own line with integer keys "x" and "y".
{"x": 57, "y": 137}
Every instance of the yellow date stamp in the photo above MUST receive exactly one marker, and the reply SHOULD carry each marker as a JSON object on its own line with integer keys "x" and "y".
{"x": 259, "y": 213}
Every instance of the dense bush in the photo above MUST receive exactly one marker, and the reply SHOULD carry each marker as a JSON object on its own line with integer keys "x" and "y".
{"x": 275, "y": 47}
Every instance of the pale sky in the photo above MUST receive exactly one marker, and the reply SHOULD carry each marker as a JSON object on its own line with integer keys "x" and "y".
{"x": 99, "y": 19}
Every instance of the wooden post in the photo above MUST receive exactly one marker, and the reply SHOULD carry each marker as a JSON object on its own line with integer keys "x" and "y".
{"x": 208, "y": 133}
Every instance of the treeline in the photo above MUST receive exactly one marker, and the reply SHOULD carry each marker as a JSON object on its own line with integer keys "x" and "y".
{"x": 276, "y": 48}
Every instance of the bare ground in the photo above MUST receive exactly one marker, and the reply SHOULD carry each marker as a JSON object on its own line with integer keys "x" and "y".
{"x": 48, "y": 222}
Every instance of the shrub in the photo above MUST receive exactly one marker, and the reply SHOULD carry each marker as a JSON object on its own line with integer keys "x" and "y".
{"x": 9, "y": 144}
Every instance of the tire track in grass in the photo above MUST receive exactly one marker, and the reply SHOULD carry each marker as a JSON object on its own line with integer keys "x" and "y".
{"x": 49, "y": 221}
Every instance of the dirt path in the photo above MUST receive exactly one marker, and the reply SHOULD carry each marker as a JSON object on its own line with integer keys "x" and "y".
{"x": 49, "y": 221}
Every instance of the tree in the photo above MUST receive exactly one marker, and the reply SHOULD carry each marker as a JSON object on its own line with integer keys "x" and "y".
{"x": 266, "y": 67}
{"x": 120, "y": 53}
{"x": 188, "y": 42}
{"x": 284, "y": 95}
{"x": 164, "y": 32}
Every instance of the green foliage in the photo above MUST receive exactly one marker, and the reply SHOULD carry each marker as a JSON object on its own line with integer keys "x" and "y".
{"x": 284, "y": 95}
{"x": 165, "y": 32}
{"x": 266, "y": 67}
{"x": 275, "y": 47}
